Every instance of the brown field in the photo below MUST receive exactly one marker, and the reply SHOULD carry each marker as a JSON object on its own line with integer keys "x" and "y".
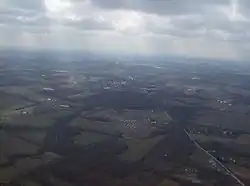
{"x": 243, "y": 139}
{"x": 168, "y": 182}
{"x": 30, "y": 183}
{"x": 240, "y": 171}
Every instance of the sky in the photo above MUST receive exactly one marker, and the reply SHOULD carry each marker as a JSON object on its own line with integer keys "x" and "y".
{"x": 214, "y": 29}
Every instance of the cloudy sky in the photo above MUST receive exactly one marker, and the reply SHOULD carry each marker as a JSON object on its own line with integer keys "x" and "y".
{"x": 198, "y": 28}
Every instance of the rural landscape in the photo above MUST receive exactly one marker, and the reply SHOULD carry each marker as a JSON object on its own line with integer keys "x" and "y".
{"x": 107, "y": 120}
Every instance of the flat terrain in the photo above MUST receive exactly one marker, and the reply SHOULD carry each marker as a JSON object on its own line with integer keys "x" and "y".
{"x": 97, "y": 122}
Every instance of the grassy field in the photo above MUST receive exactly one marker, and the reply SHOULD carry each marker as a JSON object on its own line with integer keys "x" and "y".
{"x": 108, "y": 114}
{"x": 31, "y": 92}
{"x": 87, "y": 138}
{"x": 29, "y": 121}
{"x": 11, "y": 145}
{"x": 10, "y": 102}
{"x": 205, "y": 138}
{"x": 19, "y": 168}
{"x": 89, "y": 125}
{"x": 200, "y": 157}
{"x": 137, "y": 149}
{"x": 234, "y": 118}
{"x": 37, "y": 117}
{"x": 34, "y": 136}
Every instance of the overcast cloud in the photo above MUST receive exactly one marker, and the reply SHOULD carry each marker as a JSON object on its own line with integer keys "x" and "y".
{"x": 198, "y": 28}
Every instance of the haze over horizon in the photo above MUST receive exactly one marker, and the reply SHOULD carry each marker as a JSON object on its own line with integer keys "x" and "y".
{"x": 214, "y": 29}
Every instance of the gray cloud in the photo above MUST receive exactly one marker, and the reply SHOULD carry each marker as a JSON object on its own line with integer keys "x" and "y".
{"x": 88, "y": 24}
{"x": 29, "y": 5}
{"x": 31, "y": 13}
{"x": 162, "y": 7}
{"x": 143, "y": 24}
{"x": 35, "y": 20}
